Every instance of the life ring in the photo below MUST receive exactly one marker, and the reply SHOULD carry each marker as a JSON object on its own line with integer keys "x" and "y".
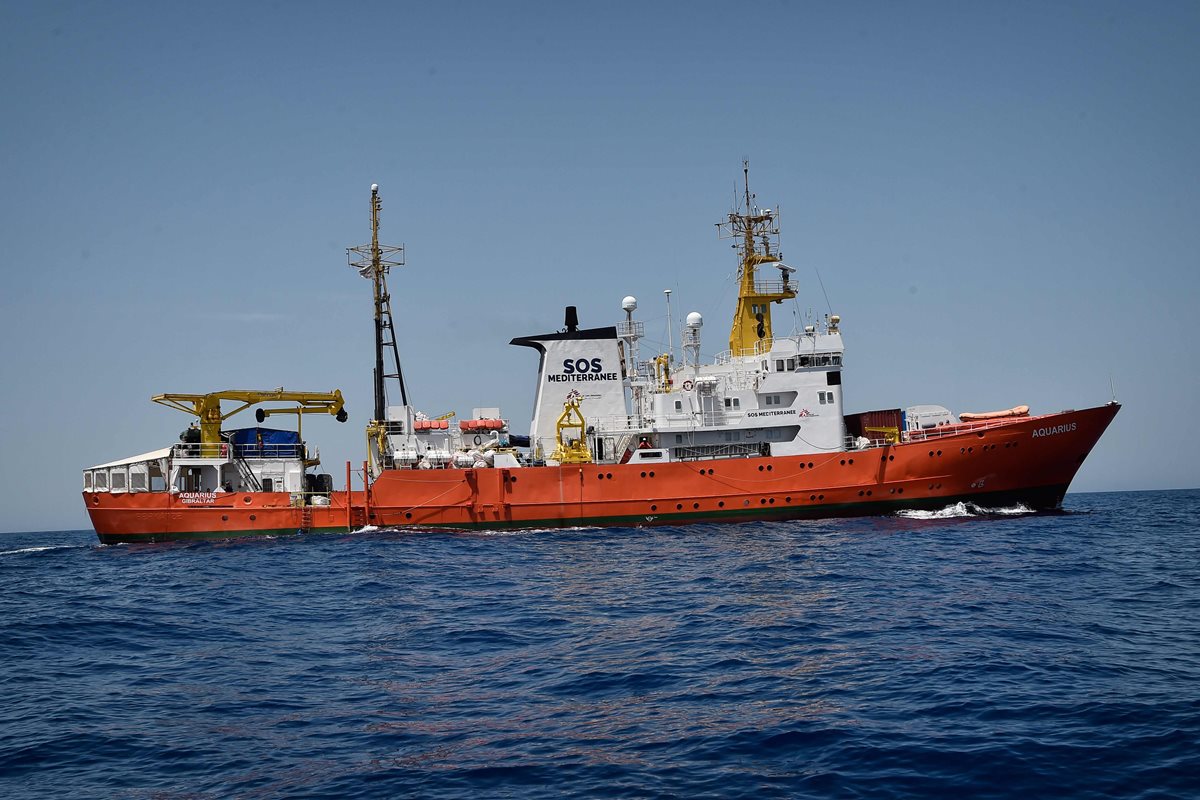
{"x": 688, "y": 386}
{"x": 478, "y": 439}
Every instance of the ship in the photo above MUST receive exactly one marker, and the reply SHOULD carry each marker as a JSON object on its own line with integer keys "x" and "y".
{"x": 618, "y": 436}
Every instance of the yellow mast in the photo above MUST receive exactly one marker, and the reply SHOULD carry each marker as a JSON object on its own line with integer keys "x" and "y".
{"x": 751, "y": 330}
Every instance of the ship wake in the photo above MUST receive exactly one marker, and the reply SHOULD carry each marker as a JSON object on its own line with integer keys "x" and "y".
{"x": 964, "y": 509}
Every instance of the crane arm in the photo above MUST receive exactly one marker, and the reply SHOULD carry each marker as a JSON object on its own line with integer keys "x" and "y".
{"x": 207, "y": 407}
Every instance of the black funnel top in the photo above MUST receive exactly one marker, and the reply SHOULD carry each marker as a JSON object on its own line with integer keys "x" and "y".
{"x": 572, "y": 320}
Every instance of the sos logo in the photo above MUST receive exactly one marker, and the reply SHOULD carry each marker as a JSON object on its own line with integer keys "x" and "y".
{"x": 582, "y": 365}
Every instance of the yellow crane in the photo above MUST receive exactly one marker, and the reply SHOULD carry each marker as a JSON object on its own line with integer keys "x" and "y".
{"x": 207, "y": 407}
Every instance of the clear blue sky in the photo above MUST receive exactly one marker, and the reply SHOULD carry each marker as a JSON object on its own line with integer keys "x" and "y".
{"x": 1002, "y": 200}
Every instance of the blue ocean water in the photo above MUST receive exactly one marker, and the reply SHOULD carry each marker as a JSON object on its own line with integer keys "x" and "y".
{"x": 958, "y": 654}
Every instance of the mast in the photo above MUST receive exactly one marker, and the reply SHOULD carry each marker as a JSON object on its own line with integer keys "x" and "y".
{"x": 754, "y": 229}
{"x": 374, "y": 262}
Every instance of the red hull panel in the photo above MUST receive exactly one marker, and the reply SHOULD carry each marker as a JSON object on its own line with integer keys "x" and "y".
{"x": 1030, "y": 460}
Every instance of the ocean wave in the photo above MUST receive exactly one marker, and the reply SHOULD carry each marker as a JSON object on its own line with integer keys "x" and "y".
{"x": 41, "y": 549}
{"x": 966, "y": 509}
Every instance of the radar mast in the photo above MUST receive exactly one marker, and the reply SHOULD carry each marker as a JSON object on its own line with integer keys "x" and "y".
{"x": 756, "y": 235}
{"x": 374, "y": 261}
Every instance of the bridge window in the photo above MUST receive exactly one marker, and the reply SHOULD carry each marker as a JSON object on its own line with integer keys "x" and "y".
{"x": 779, "y": 365}
{"x": 679, "y": 405}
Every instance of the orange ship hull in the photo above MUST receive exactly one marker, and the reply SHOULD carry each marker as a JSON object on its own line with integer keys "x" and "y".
{"x": 1029, "y": 460}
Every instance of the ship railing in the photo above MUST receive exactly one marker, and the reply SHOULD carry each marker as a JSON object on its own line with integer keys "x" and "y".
{"x": 774, "y": 287}
{"x": 270, "y": 450}
{"x": 631, "y": 329}
{"x": 217, "y": 451}
{"x": 613, "y": 425}
{"x": 942, "y": 431}
{"x": 709, "y": 451}
{"x": 225, "y": 451}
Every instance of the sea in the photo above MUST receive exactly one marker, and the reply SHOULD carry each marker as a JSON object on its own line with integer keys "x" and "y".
{"x": 963, "y": 653}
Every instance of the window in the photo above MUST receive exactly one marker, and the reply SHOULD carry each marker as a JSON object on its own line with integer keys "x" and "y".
{"x": 833, "y": 378}
{"x": 87, "y": 481}
{"x": 737, "y": 403}
{"x": 679, "y": 438}
{"x": 791, "y": 365}
{"x": 731, "y": 436}
{"x": 679, "y": 405}
{"x": 826, "y": 398}
{"x": 728, "y": 403}
{"x": 779, "y": 365}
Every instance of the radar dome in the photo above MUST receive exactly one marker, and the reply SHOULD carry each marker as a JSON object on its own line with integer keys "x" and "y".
{"x": 374, "y": 187}
{"x": 694, "y": 320}
{"x": 629, "y": 303}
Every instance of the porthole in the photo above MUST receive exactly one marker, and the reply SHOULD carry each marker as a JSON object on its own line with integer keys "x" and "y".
{"x": 654, "y": 508}
{"x": 721, "y": 504}
{"x": 651, "y": 473}
{"x": 843, "y": 462}
{"x": 760, "y": 467}
{"x": 246, "y": 500}
{"x": 513, "y": 478}
{"x": 695, "y": 505}
{"x": 939, "y": 452}
{"x": 891, "y": 458}
{"x": 679, "y": 506}
{"x": 852, "y": 461}
{"x": 253, "y": 517}
{"x": 643, "y": 474}
{"x": 408, "y": 515}
{"x": 860, "y": 492}
{"x": 771, "y": 500}
{"x": 931, "y": 454}
{"x": 770, "y": 467}
{"x": 868, "y": 492}
{"x": 745, "y": 502}
{"x": 900, "y": 490}
{"x": 820, "y": 497}
{"x": 608, "y": 475}
{"x": 224, "y": 518}
{"x": 787, "y": 499}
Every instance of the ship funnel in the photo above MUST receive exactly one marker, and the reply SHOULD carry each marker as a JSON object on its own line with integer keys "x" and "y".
{"x": 572, "y": 319}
